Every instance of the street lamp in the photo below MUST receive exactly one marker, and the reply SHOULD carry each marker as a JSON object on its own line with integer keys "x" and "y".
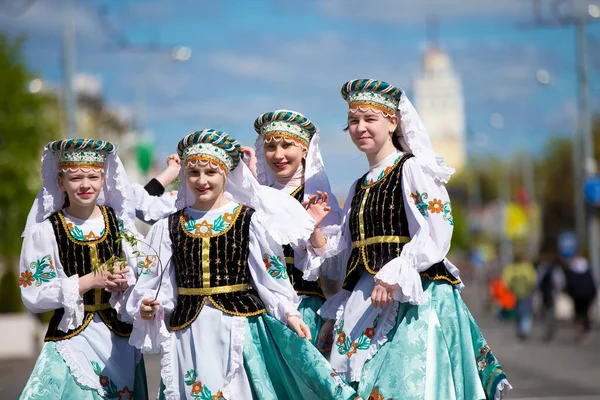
{"x": 35, "y": 86}
{"x": 181, "y": 53}
{"x": 177, "y": 54}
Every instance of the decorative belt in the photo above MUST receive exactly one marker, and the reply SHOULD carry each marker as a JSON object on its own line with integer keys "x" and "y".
{"x": 213, "y": 290}
{"x": 289, "y": 260}
{"x": 96, "y": 307}
{"x": 98, "y": 304}
{"x": 439, "y": 272}
{"x": 381, "y": 239}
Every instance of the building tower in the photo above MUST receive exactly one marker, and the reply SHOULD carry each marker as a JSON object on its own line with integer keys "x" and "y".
{"x": 440, "y": 102}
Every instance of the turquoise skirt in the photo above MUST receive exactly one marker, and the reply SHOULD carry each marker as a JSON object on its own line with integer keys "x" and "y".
{"x": 281, "y": 365}
{"x": 52, "y": 379}
{"x": 308, "y": 308}
{"x": 435, "y": 351}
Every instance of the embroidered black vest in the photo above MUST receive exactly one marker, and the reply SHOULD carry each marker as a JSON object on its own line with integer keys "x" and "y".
{"x": 212, "y": 266}
{"x": 80, "y": 257}
{"x": 379, "y": 227}
{"x": 301, "y": 286}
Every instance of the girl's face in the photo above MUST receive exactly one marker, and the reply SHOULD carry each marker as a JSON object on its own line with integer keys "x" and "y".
{"x": 284, "y": 157}
{"x": 82, "y": 188}
{"x": 370, "y": 130}
{"x": 207, "y": 182}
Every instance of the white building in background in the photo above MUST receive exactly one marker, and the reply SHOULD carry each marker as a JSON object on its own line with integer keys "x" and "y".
{"x": 439, "y": 100}
{"x": 96, "y": 119}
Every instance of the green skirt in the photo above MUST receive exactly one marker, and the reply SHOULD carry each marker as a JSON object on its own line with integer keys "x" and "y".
{"x": 435, "y": 351}
{"x": 308, "y": 308}
{"x": 281, "y": 365}
{"x": 52, "y": 379}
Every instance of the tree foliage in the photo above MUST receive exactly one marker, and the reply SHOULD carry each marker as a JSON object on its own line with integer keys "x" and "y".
{"x": 27, "y": 122}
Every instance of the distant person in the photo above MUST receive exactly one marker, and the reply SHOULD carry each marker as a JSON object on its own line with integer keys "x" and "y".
{"x": 520, "y": 278}
{"x": 582, "y": 289}
{"x": 550, "y": 283}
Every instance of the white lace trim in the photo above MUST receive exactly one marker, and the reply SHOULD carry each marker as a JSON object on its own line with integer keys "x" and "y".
{"x": 165, "y": 344}
{"x": 278, "y": 139}
{"x": 503, "y": 388}
{"x": 339, "y": 314}
{"x": 231, "y": 385}
{"x": 204, "y": 163}
{"x": 76, "y": 371}
{"x": 331, "y": 308}
{"x": 400, "y": 272}
{"x": 354, "y": 109}
{"x": 72, "y": 303}
{"x": 82, "y": 169}
{"x": 381, "y": 338}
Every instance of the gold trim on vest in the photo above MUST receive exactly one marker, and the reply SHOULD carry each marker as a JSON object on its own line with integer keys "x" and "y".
{"x": 381, "y": 239}
{"x": 213, "y": 290}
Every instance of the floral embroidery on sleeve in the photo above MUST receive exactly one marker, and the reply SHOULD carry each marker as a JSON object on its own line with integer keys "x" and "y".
{"x": 110, "y": 388}
{"x": 419, "y": 200}
{"x": 275, "y": 267}
{"x": 435, "y": 206}
{"x": 40, "y": 274}
{"x": 448, "y": 213}
{"x": 145, "y": 266}
{"x": 200, "y": 391}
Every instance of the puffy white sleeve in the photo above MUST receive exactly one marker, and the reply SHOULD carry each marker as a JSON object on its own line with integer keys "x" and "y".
{"x": 313, "y": 261}
{"x": 152, "y": 208}
{"x": 44, "y": 284}
{"x": 430, "y": 223}
{"x": 269, "y": 274}
{"x": 156, "y": 274}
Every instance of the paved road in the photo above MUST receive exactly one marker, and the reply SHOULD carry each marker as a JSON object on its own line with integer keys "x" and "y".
{"x": 538, "y": 370}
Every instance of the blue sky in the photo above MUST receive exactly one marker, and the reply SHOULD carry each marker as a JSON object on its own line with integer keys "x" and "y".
{"x": 250, "y": 57}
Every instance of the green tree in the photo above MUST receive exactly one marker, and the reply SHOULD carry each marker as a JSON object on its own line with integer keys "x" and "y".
{"x": 27, "y": 122}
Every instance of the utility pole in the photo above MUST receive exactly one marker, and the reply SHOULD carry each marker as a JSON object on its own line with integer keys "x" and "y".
{"x": 70, "y": 101}
{"x": 584, "y": 162}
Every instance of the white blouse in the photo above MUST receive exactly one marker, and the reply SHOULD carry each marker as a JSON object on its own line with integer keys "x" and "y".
{"x": 96, "y": 357}
{"x": 210, "y": 348}
{"x": 430, "y": 224}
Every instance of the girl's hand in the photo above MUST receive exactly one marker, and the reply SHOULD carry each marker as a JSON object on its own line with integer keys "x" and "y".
{"x": 148, "y": 308}
{"x": 317, "y": 207}
{"x": 115, "y": 281}
{"x": 173, "y": 161}
{"x": 295, "y": 322}
{"x": 326, "y": 337}
{"x": 383, "y": 294}
{"x": 250, "y": 159}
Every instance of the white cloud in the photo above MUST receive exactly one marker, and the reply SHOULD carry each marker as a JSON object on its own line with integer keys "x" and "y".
{"x": 415, "y": 12}
{"x": 50, "y": 16}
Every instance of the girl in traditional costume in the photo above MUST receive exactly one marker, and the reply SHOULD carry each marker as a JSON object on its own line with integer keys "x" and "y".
{"x": 215, "y": 299}
{"x": 288, "y": 159}
{"x": 67, "y": 266}
{"x": 399, "y": 328}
